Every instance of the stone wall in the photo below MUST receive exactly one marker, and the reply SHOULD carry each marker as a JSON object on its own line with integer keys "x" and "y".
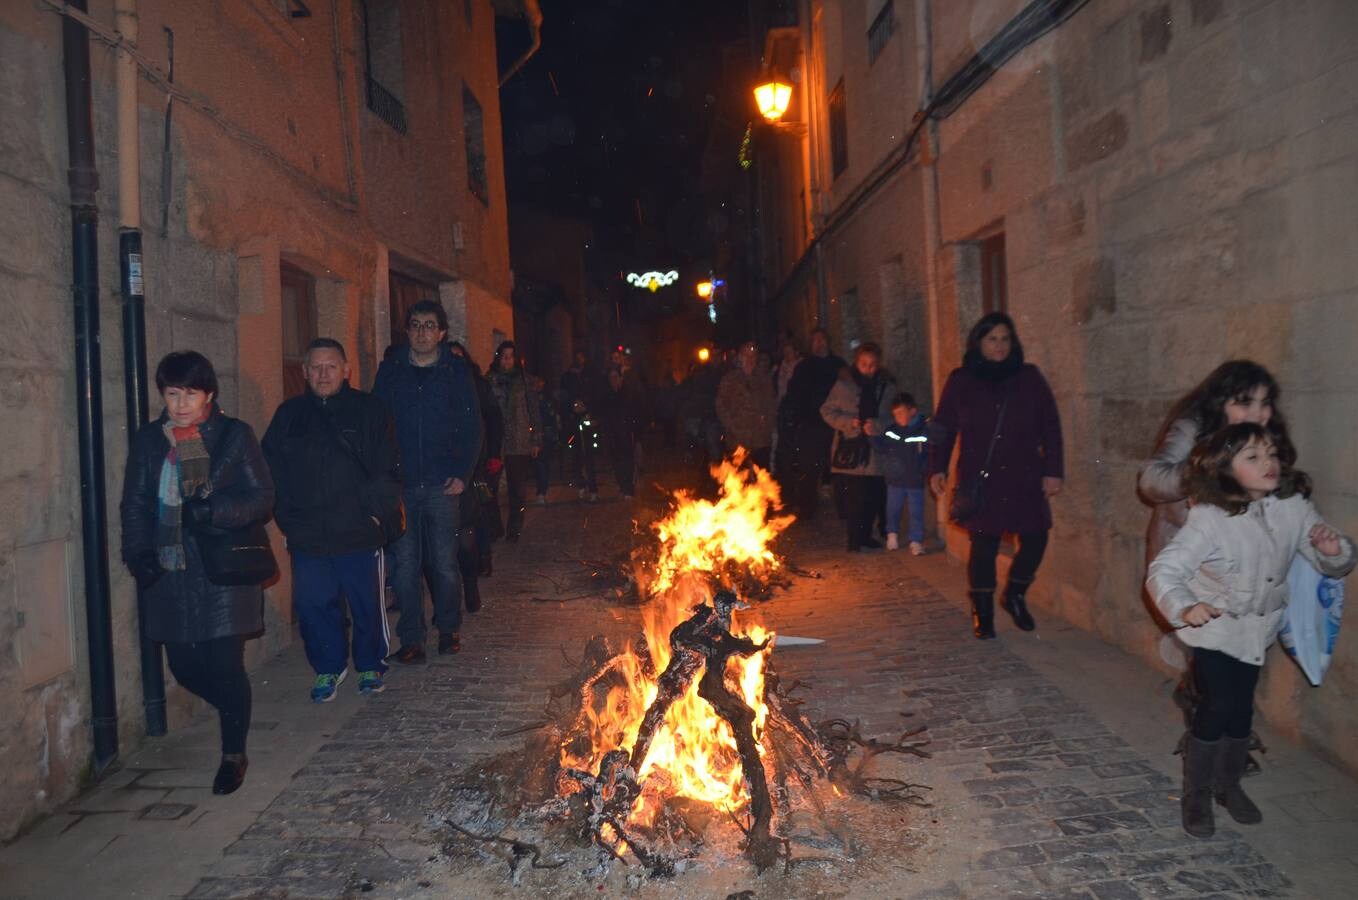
{"x": 266, "y": 167}
{"x": 1171, "y": 179}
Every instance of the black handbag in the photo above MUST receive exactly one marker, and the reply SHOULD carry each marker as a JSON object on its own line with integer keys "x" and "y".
{"x": 240, "y": 557}
{"x": 851, "y": 453}
{"x": 968, "y": 501}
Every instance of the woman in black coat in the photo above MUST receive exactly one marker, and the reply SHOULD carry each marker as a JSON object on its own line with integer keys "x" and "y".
{"x": 191, "y": 473}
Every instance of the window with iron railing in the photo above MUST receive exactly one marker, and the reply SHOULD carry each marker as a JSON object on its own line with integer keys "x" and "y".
{"x": 384, "y": 76}
{"x": 881, "y": 30}
{"x": 839, "y": 131}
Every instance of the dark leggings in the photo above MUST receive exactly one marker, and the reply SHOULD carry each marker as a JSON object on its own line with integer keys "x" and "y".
{"x": 215, "y": 671}
{"x": 470, "y": 561}
{"x": 984, "y": 549}
{"x": 1225, "y": 695}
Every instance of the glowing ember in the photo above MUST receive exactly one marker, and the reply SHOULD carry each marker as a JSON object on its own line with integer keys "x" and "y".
{"x": 694, "y": 753}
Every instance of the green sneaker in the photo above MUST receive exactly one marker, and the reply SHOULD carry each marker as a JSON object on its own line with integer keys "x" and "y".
{"x": 323, "y": 689}
{"x": 370, "y": 683}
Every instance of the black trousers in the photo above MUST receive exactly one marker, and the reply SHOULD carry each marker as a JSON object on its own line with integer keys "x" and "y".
{"x": 864, "y": 497}
{"x": 215, "y": 671}
{"x": 1225, "y": 695}
{"x": 804, "y": 489}
{"x": 518, "y": 470}
{"x": 984, "y": 549}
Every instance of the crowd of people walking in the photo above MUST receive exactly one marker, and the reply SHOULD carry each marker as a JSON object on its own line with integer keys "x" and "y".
{"x": 410, "y": 475}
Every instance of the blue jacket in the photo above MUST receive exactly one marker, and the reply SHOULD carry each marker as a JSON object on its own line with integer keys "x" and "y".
{"x": 904, "y": 452}
{"x": 438, "y": 423}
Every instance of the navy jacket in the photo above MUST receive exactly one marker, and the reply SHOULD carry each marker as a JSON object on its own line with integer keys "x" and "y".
{"x": 438, "y": 423}
{"x": 326, "y": 499}
{"x": 904, "y": 453}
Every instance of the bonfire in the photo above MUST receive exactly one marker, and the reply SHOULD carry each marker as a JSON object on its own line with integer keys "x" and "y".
{"x": 649, "y": 742}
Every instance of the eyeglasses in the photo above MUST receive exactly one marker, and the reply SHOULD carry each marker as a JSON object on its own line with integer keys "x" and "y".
{"x": 423, "y": 326}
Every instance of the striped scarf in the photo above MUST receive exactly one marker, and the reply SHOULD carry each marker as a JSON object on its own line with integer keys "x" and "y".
{"x": 184, "y": 474}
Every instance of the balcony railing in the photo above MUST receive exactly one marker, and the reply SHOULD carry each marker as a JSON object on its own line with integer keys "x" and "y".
{"x": 385, "y": 104}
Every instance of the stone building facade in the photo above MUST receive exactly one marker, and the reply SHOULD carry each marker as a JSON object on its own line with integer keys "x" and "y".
{"x": 1149, "y": 187}
{"x": 323, "y": 166}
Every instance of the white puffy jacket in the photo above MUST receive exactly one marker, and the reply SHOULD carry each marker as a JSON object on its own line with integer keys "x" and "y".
{"x": 1239, "y": 564}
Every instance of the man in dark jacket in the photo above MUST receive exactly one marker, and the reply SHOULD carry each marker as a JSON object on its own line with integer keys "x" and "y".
{"x": 799, "y": 414}
{"x": 438, "y": 427}
{"x": 337, "y": 475}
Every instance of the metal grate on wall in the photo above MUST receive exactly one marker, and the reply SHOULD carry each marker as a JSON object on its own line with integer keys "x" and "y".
{"x": 879, "y": 33}
{"x": 384, "y": 103}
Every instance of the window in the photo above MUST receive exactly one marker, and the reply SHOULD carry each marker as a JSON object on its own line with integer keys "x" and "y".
{"x": 994, "y": 282}
{"x": 839, "y": 131}
{"x": 404, "y": 292}
{"x": 293, "y": 9}
{"x": 881, "y": 30}
{"x": 382, "y": 58}
{"x": 474, "y": 129}
{"x": 299, "y": 325}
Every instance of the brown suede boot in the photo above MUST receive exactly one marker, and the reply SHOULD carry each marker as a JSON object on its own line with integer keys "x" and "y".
{"x": 1226, "y": 777}
{"x": 1200, "y": 760}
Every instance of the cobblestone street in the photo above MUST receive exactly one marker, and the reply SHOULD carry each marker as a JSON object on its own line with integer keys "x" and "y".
{"x": 1051, "y": 769}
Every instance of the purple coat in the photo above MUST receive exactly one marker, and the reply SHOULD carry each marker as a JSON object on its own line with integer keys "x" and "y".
{"x": 1028, "y": 448}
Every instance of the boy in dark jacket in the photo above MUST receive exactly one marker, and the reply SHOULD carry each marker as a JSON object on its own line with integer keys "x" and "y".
{"x": 903, "y": 460}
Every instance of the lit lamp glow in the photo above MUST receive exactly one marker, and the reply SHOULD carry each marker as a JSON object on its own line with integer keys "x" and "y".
{"x": 772, "y": 98}
{"x": 704, "y": 354}
{"x": 704, "y": 289}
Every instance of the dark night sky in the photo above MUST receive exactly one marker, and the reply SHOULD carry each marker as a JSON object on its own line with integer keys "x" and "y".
{"x": 608, "y": 121}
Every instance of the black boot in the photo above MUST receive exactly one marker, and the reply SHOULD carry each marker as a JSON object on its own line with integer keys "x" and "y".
{"x": 231, "y": 773}
{"x": 1200, "y": 761}
{"x": 983, "y": 614}
{"x": 1016, "y": 604}
{"x": 1226, "y": 777}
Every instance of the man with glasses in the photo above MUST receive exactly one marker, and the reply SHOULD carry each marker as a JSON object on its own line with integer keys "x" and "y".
{"x": 438, "y": 427}
{"x": 337, "y": 479}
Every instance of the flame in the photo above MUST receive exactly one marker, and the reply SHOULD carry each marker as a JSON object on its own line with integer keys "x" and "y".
{"x": 693, "y": 754}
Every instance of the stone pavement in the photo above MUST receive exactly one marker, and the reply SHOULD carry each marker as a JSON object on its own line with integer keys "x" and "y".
{"x": 1051, "y": 776}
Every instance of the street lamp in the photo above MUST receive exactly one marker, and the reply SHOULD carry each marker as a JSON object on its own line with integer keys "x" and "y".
{"x": 772, "y": 98}
{"x": 704, "y": 354}
{"x": 704, "y": 289}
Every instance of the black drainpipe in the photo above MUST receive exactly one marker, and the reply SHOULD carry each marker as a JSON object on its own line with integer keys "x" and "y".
{"x": 84, "y": 182}
{"x": 134, "y": 390}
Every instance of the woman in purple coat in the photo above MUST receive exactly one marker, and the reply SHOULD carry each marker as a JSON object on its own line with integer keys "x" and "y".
{"x": 1025, "y": 465}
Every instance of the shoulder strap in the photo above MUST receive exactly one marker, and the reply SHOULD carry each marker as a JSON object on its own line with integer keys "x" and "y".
{"x": 345, "y": 444}
{"x": 999, "y": 421}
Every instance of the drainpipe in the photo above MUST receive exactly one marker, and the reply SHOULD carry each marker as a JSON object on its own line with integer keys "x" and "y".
{"x": 134, "y": 314}
{"x": 83, "y": 179}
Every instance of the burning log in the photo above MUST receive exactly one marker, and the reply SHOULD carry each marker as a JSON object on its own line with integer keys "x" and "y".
{"x": 645, "y": 747}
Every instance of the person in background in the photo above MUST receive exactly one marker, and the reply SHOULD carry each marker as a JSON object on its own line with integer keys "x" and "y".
{"x": 810, "y": 437}
{"x": 617, "y": 428}
{"x": 745, "y": 406}
{"x": 579, "y": 387}
{"x": 551, "y": 433}
{"x": 337, "y": 472}
{"x": 432, "y": 395}
{"x": 478, "y": 517}
{"x": 903, "y": 448}
{"x": 996, "y": 400}
{"x": 858, "y": 408}
{"x": 191, "y": 471}
{"x": 522, "y": 431}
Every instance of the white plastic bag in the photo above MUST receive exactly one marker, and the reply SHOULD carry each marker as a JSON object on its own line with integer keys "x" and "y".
{"x": 1311, "y": 619}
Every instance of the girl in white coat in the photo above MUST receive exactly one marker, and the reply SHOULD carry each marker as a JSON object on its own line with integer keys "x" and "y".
{"x": 1222, "y": 583}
